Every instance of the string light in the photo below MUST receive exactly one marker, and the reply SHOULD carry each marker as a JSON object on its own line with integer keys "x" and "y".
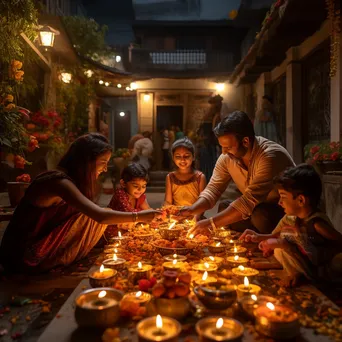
{"x": 119, "y": 85}
{"x": 106, "y": 84}
{"x": 101, "y": 82}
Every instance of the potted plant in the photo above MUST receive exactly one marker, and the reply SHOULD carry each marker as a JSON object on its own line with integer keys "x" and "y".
{"x": 16, "y": 190}
{"x": 326, "y": 156}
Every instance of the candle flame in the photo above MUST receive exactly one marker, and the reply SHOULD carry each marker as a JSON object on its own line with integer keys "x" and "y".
{"x": 206, "y": 265}
{"x": 174, "y": 262}
{"x": 218, "y": 244}
{"x": 205, "y": 276}
{"x": 254, "y": 297}
{"x": 172, "y": 225}
{"x": 119, "y": 234}
{"x": 231, "y": 241}
{"x": 115, "y": 257}
{"x": 138, "y": 294}
{"x": 219, "y": 323}
{"x": 139, "y": 264}
{"x": 235, "y": 249}
{"x": 270, "y": 306}
{"x": 102, "y": 294}
{"x": 159, "y": 322}
{"x": 101, "y": 268}
{"x": 246, "y": 282}
{"x": 191, "y": 236}
{"x": 241, "y": 268}
{"x": 175, "y": 256}
{"x": 236, "y": 257}
{"x": 212, "y": 258}
{"x": 115, "y": 251}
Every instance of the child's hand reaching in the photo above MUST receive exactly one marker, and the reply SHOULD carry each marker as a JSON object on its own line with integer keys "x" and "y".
{"x": 269, "y": 245}
{"x": 250, "y": 236}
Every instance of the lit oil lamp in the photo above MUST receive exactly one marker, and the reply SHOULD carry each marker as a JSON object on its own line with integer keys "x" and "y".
{"x": 204, "y": 279}
{"x": 139, "y": 297}
{"x": 115, "y": 263}
{"x": 236, "y": 260}
{"x": 120, "y": 238}
{"x": 158, "y": 328}
{"x": 98, "y": 308}
{"x": 277, "y": 321}
{"x": 248, "y": 304}
{"x": 205, "y": 266}
{"x": 242, "y": 271}
{"x": 212, "y": 329}
{"x": 171, "y": 232}
{"x": 114, "y": 249}
{"x": 247, "y": 289}
{"x": 139, "y": 272}
{"x": 216, "y": 247}
{"x": 177, "y": 257}
{"x": 173, "y": 265}
{"x": 237, "y": 250}
{"x": 214, "y": 259}
{"x": 103, "y": 277}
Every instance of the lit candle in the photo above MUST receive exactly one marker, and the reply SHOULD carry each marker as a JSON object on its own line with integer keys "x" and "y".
{"x": 242, "y": 271}
{"x": 173, "y": 265}
{"x": 206, "y": 266}
{"x": 139, "y": 272}
{"x": 103, "y": 277}
{"x": 175, "y": 257}
{"x": 115, "y": 263}
{"x": 172, "y": 225}
{"x": 137, "y": 297}
{"x": 211, "y": 259}
{"x": 237, "y": 250}
{"x": 101, "y": 302}
{"x": 236, "y": 260}
{"x": 191, "y": 236}
{"x": 205, "y": 279}
{"x": 158, "y": 329}
{"x": 247, "y": 289}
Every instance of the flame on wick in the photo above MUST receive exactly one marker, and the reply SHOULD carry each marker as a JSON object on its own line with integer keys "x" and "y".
{"x": 206, "y": 265}
{"x": 246, "y": 282}
{"x": 270, "y": 306}
{"x": 241, "y": 268}
{"x": 254, "y": 297}
{"x": 235, "y": 249}
{"x": 101, "y": 268}
{"x": 212, "y": 258}
{"x": 191, "y": 236}
{"x": 172, "y": 225}
{"x": 205, "y": 276}
{"x": 115, "y": 258}
{"x": 236, "y": 257}
{"x": 175, "y": 256}
{"x": 139, "y": 264}
{"x": 115, "y": 251}
{"x": 218, "y": 244}
{"x": 102, "y": 294}
{"x": 219, "y": 323}
{"x": 174, "y": 262}
{"x": 231, "y": 241}
{"x": 159, "y": 322}
{"x": 138, "y": 294}
{"x": 119, "y": 234}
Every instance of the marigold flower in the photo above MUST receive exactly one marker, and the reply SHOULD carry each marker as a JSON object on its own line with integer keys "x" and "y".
{"x": 19, "y": 162}
{"x": 10, "y": 106}
{"x": 16, "y": 64}
{"x": 9, "y": 98}
{"x": 30, "y": 126}
{"x": 18, "y": 76}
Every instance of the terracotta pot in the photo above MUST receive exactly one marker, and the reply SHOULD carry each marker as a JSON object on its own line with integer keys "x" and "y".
{"x": 16, "y": 191}
{"x": 329, "y": 166}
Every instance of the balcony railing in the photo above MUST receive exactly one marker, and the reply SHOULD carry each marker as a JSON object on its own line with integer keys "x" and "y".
{"x": 180, "y": 60}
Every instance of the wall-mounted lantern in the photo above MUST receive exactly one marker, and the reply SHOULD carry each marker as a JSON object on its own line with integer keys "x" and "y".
{"x": 66, "y": 77}
{"x": 47, "y": 36}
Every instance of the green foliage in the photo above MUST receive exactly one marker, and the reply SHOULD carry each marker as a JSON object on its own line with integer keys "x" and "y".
{"x": 17, "y": 16}
{"x": 87, "y": 36}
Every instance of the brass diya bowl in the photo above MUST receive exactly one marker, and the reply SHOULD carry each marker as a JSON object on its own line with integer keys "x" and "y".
{"x": 206, "y": 326}
{"x": 215, "y": 302}
{"x": 177, "y": 308}
{"x": 217, "y": 249}
{"x": 247, "y": 305}
{"x": 91, "y": 311}
{"x": 102, "y": 282}
{"x": 219, "y": 288}
{"x": 119, "y": 264}
{"x": 168, "y": 250}
{"x": 170, "y": 234}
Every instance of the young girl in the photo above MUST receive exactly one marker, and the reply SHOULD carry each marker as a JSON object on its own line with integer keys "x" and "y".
{"x": 130, "y": 197}
{"x": 184, "y": 185}
{"x": 304, "y": 242}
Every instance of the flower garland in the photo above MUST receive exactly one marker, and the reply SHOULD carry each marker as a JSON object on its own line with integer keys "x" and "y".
{"x": 334, "y": 16}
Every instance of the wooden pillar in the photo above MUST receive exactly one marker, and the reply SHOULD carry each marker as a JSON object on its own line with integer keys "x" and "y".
{"x": 335, "y": 101}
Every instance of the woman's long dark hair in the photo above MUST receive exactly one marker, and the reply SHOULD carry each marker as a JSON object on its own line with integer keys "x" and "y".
{"x": 79, "y": 162}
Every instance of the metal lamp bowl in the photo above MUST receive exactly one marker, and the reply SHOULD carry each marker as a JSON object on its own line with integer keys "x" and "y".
{"x": 170, "y": 234}
{"x": 86, "y": 317}
{"x": 247, "y": 305}
{"x": 105, "y": 282}
{"x": 167, "y": 250}
{"x": 213, "y": 289}
{"x": 177, "y": 308}
{"x": 214, "y": 302}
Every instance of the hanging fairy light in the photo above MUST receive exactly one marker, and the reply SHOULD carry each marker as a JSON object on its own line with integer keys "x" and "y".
{"x": 106, "y": 84}
{"x": 89, "y": 73}
{"x": 119, "y": 85}
{"x": 133, "y": 86}
{"x": 101, "y": 82}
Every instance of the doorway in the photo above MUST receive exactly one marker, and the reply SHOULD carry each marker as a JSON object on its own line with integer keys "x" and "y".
{"x": 168, "y": 116}
{"x": 122, "y": 128}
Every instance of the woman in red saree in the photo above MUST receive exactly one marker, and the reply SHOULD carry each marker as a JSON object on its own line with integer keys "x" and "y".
{"x": 57, "y": 222}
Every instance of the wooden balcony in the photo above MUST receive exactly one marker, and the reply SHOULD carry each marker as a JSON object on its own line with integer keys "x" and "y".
{"x": 181, "y": 63}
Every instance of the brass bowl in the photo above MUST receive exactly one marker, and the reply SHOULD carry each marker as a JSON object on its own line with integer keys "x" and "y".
{"x": 168, "y": 250}
{"x": 215, "y": 289}
{"x": 170, "y": 234}
{"x": 217, "y": 249}
{"x": 177, "y": 308}
{"x": 206, "y": 325}
{"x": 119, "y": 264}
{"x": 102, "y": 282}
{"x": 247, "y": 305}
{"x": 213, "y": 302}
{"x": 97, "y": 317}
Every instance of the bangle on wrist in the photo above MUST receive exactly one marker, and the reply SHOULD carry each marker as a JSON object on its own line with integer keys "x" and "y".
{"x": 213, "y": 225}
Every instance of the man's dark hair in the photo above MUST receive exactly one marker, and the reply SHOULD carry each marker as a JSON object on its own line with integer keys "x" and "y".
{"x": 133, "y": 171}
{"x": 301, "y": 180}
{"x": 238, "y": 124}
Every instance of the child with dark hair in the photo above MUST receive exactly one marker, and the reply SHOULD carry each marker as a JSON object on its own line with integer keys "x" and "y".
{"x": 305, "y": 241}
{"x": 184, "y": 185}
{"x": 130, "y": 197}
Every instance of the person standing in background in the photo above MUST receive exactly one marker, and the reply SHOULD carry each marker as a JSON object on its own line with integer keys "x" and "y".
{"x": 166, "y": 148}
{"x": 179, "y": 133}
{"x": 142, "y": 151}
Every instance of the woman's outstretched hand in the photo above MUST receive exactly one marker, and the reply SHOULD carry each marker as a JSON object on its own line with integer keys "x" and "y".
{"x": 149, "y": 215}
{"x": 250, "y": 236}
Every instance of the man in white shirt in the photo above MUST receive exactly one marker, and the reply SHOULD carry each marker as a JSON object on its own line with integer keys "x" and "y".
{"x": 142, "y": 151}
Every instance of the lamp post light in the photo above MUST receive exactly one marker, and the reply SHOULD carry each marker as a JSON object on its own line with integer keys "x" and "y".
{"x": 47, "y": 36}
{"x": 66, "y": 77}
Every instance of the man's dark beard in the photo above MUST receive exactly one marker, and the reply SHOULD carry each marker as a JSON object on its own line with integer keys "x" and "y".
{"x": 241, "y": 152}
